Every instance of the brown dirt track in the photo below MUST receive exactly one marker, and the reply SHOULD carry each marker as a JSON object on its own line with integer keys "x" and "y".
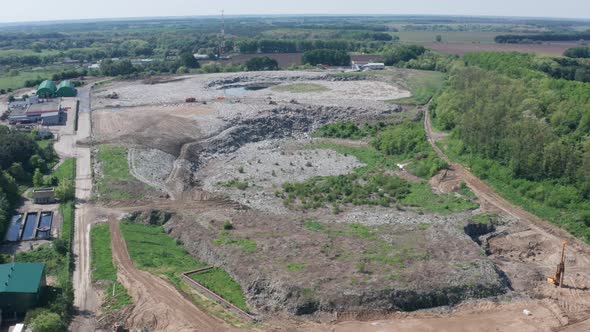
{"x": 529, "y": 253}
{"x": 158, "y": 306}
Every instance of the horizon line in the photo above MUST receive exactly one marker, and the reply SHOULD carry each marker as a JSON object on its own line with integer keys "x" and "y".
{"x": 145, "y": 18}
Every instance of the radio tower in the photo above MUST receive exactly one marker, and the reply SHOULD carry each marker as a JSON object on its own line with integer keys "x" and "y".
{"x": 222, "y": 37}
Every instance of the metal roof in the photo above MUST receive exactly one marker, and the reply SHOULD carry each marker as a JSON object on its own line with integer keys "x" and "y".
{"x": 47, "y": 107}
{"x": 65, "y": 84}
{"x": 21, "y": 277}
{"x": 49, "y": 114}
{"x": 47, "y": 85}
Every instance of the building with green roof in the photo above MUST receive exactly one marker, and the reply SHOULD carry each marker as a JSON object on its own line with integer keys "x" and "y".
{"x": 47, "y": 89}
{"x": 20, "y": 286}
{"x": 66, "y": 89}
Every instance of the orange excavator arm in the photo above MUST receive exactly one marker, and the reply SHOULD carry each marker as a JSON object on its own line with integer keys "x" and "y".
{"x": 557, "y": 280}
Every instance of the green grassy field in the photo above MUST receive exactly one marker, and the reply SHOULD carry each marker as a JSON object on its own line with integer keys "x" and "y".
{"x": 116, "y": 181}
{"x": 422, "y": 196}
{"x": 423, "y": 85}
{"x": 66, "y": 171}
{"x": 218, "y": 281}
{"x": 300, "y": 88}
{"x": 153, "y": 250}
{"x": 67, "y": 211}
{"x": 104, "y": 271}
{"x": 18, "y": 81}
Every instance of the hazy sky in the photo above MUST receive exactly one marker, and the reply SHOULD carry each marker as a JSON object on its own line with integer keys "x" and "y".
{"x": 36, "y": 10}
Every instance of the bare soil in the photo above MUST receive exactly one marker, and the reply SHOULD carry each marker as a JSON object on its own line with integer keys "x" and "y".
{"x": 401, "y": 260}
{"x": 158, "y": 306}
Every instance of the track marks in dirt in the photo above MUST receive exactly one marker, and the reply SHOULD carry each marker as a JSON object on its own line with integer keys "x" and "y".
{"x": 158, "y": 305}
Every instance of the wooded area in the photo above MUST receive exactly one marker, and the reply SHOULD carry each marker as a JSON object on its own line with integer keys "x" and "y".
{"x": 519, "y": 125}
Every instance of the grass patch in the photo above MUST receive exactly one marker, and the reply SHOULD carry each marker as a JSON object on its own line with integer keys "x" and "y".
{"x": 151, "y": 249}
{"x": 367, "y": 155}
{"x": 421, "y": 196}
{"x": 300, "y": 88}
{"x": 104, "y": 271}
{"x": 423, "y": 85}
{"x": 377, "y": 251}
{"x": 116, "y": 179}
{"x": 66, "y": 171}
{"x": 235, "y": 183}
{"x": 47, "y": 254}
{"x": 295, "y": 266}
{"x": 484, "y": 219}
{"x": 367, "y": 189}
{"x": 67, "y": 211}
{"x": 314, "y": 226}
{"x": 225, "y": 238}
{"x": 218, "y": 281}
{"x": 18, "y": 81}
{"x": 423, "y": 227}
{"x": 349, "y": 130}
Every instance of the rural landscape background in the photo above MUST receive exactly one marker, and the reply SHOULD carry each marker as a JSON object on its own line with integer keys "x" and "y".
{"x": 298, "y": 173}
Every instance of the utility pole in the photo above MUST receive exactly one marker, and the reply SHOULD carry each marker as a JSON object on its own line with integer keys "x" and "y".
{"x": 222, "y": 37}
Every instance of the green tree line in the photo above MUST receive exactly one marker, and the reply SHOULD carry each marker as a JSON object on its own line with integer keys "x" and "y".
{"x": 523, "y": 128}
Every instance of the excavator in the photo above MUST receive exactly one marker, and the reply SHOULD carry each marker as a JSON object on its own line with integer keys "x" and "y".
{"x": 557, "y": 280}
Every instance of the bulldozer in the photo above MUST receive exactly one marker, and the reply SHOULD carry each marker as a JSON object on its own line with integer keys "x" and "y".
{"x": 557, "y": 279}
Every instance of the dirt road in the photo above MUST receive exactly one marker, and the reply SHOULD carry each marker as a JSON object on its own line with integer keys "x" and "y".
{"x": 484, "y": 192}
{"x": 85, "y": 301}
{"x": 158, "y": 305}
{"x": 515, "y": 252}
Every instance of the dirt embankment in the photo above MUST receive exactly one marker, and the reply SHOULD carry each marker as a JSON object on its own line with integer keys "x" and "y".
{"x": 287, "y": 120}
{"x": 295, "y": 270}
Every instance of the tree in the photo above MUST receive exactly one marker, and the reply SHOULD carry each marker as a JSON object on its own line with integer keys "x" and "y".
{"x": 438, "y": 38}
{"x": 187, "y": 59}
{"x": 262, "y": 64}
{"x": 37, "y": 162}
{"x": 37, "y": 178}
{"x": 117, "y": 68}
{"x": 402, "y": 53}
{"x": 17, "y": 171}
{"x": 47, "y": 322}
{"x": 326, "y": 57}
{"x": 11, "y": 98}
{"x": 577, "y": 52}
{"x": 65, "y": 191}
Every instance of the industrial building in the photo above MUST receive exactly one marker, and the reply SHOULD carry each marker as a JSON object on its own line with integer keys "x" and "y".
{"x": 21, "y": 285}
{"x": 66, "y": 89}
{"x": 47, "y": 89}
{"x": 49, "y": 113}
{"x": 44, "y": 196}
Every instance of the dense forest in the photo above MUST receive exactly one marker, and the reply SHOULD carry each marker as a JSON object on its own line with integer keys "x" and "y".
{"x": 578, "y": 52}
{"x": 22, "y": 161}
{"x": 524, "y": 130}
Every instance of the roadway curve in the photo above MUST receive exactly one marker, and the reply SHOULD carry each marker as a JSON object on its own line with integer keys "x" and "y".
{"x": 486, "y": 193}
{"x": 158, "y": 306}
